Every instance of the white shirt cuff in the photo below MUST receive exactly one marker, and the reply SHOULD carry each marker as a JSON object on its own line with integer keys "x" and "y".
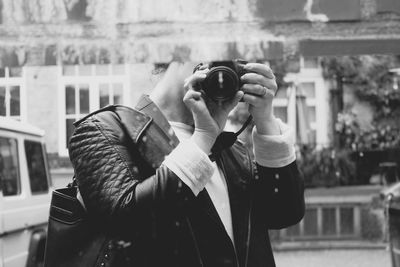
{"x": 191, "y": 165}
{"x": 274, "y": 151}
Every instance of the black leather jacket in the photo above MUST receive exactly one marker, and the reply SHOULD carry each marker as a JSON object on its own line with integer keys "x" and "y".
{"x": 117, "y": 154}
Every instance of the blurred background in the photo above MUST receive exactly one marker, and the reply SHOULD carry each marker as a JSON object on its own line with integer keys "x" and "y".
{"x": 337, "y": 65}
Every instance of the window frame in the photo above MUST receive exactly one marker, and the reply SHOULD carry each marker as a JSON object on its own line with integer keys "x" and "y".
{"x": 20, "y": 81}
{"x": 93, "y": 80}
{"x": 320, "y": 102}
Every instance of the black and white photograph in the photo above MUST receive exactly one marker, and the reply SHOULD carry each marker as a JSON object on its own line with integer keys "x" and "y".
{"x": 199, "y": 133}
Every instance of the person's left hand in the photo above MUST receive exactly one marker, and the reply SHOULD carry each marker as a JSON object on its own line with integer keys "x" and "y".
{"x": 259, "y": 87}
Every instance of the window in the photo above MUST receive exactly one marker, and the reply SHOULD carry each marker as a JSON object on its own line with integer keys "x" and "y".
{"x": 76, "y": 105}
{"x": 86, "y": 88}
{"x": 281, "y": 113}
{"x": 310, "y": 62}
{"x": 9, "y": 167}
{"x": 281, "y": 104}
{"x": 110, "y": 94}
{"x": 310, "y": 83}
{"x": 36, "y": 167}
{"x": 287, "y": 106}
{"x": 308, "y": 89}
{"x": 10, "y": 92}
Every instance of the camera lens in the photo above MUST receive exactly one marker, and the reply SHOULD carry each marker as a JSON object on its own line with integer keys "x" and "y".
{"x": 221, "y": 83}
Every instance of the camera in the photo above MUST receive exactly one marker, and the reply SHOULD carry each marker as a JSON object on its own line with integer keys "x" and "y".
{"x": 223, "y": 79}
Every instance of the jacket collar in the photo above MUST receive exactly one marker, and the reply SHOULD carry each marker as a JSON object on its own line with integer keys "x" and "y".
{"x": 157, "y": 139}
{"x": 148, "y": 107}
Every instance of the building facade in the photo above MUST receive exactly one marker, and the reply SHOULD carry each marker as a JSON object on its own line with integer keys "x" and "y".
{"x": 61, "y": 59}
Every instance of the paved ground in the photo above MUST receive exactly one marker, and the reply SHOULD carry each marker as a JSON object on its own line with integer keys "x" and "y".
{"x": 333, "y": 258}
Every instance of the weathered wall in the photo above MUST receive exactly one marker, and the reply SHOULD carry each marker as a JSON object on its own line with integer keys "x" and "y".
{"x": 42, "y": 102}
{"x": 125, "y": 11}
{"x": 139, "y": 11}
{"x": 142, "y": 80}
{"x": 47, "y": 32}
{"x": 308, "y": 10}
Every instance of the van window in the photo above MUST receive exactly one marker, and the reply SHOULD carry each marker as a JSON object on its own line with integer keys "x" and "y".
{"x": 36, "y": 167}
{"x": 9, "y": 167}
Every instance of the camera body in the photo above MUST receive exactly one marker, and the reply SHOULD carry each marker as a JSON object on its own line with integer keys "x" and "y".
{"x": 223, "y": 79}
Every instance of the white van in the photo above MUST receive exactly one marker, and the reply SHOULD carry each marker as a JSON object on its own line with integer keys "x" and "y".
{"x": 25, "y": 193}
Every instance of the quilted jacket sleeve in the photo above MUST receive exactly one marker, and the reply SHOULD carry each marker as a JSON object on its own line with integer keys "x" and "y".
{"x": 110, "y": 173}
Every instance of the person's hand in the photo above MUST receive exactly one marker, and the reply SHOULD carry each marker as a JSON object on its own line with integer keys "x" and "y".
{"x": 209, "y": 117}
{"x": 259, "y": 87}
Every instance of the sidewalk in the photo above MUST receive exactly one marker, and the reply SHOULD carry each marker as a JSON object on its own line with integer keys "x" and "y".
{"x": 334, "y": 258}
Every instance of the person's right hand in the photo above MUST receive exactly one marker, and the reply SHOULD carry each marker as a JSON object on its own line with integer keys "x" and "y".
{"x": 209, "y": 117}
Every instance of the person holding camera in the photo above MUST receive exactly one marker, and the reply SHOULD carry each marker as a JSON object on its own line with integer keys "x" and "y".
{"x": 163, "y": 194}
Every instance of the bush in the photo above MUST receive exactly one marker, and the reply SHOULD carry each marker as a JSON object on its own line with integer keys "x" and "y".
{"x": 326, "y": 167}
